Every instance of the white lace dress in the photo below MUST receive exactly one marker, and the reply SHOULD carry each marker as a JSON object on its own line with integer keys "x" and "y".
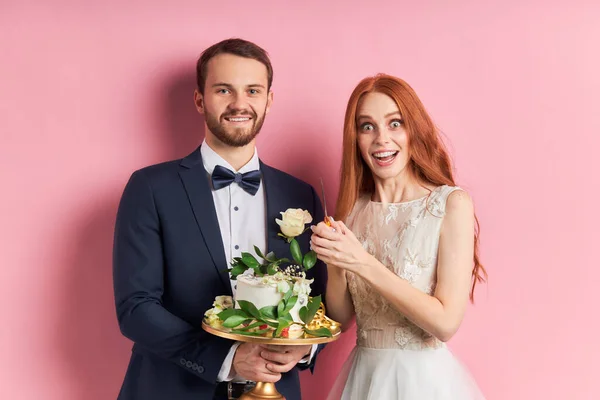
{"x": 393, "y": 358}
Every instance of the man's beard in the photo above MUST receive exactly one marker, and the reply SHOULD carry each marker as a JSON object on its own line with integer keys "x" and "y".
{"x": 234, "y": 137}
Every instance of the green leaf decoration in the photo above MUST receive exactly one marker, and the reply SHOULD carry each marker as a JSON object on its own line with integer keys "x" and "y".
{"x": 289, "y": 304}
{"x": 313, "y": 306}
{"x": 280, "y": 308}
{"x": 249, "y": 260}
{"x": 268, "y": 312}
{"x": 310, "y": 259}
{"x": 223, "y": 315}
{"x": 238, "y": 270}
{"x": 270, "y": 256}
{"x": 249, "y": 308}
{"x": 272, "y": 269}
{"x": 233, "y": 321}
{"x": 257, "y": 333}
{"x": 251, "y": 326}
{"x": 259, "y": 253}
{"x": 303, "y": 313}
{"x": 295, "y": 250}
{"x": 258, "y": 271}
{"x": 271, "y": 323}
{"x": 283, "y": 323}
{"x": 321, "y": 332}
{"x": 288, "y": 294}
{"x": 286, "y": 317}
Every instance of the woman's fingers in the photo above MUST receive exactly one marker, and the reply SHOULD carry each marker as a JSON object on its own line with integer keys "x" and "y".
{"x": 318, "y": 241}
{"x": 324, "y": 231}
{"x": 338, "y": 226}
{"x": 323, "y": 253}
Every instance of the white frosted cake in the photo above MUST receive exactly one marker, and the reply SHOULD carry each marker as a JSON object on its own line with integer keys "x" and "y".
{"x": 268, "y": 290}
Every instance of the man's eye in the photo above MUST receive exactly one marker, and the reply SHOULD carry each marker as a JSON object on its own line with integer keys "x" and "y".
{"x": 223, "y": 91}
{"x": 253, "y": 91}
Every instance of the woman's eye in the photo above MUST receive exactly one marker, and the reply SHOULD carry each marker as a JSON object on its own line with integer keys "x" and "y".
{"x": 367, "y": 127}
{"x": 396, "y": 123}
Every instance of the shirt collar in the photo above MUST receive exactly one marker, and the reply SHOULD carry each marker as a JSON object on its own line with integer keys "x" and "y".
{"x": 211, "y": 159}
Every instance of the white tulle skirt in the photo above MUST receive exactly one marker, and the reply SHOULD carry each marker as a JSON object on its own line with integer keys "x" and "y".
{"x": 376, "y": 374}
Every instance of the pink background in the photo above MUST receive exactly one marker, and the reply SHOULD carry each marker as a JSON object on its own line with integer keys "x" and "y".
{"x": 92, "y": 90}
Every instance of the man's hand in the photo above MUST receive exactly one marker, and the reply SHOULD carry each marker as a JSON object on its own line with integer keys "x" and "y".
{"x": 248, "y": 363}
{"x": 283, "y": 358}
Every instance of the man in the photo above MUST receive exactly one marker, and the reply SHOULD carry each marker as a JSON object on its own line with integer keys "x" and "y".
{"x": 179, "y": 225}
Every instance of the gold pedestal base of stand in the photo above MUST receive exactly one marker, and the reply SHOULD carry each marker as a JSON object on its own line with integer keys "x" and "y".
{"x": 262, "y": 390}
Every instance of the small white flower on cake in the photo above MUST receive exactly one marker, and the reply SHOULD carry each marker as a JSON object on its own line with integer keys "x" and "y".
{"x": 212, "y": 317}
{"x": 293, "y": 220}
{"x": 223, "y": 302}
{"x": 283, "y": 286}
{"x": 302, "y": 285}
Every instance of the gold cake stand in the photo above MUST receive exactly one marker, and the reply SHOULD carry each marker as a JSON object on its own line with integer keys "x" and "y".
{"x": 267, "y": 390}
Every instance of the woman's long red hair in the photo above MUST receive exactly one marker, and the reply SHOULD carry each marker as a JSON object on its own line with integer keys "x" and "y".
{"x": 429, "y": 161}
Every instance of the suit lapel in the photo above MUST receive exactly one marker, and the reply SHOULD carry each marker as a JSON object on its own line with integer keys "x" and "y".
{"x": 275, "y": 204}
{"x": 197, "y": 186}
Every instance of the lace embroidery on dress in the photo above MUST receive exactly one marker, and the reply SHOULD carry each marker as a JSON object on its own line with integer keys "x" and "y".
{"x": 414, "y": 266}
{"x": 404, "y": 237}
{"x": 392, "y": 213}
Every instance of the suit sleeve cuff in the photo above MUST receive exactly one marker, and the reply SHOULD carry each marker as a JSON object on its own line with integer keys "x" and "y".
{"x": 308, "y": 358}
{"x": 227, "y": 373}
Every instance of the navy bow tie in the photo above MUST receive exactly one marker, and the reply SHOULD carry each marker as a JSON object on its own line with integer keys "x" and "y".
{"x": 223, "y": 177}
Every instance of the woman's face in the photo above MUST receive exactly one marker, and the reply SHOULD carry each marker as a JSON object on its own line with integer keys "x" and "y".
{"x": 382, "y": 139}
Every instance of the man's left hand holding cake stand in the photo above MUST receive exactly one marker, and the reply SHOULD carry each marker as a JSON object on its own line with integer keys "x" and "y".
{"x": 267, "y": 390}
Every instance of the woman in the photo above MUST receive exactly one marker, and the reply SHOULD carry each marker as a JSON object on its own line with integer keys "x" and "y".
{"x": 406, "y": 262}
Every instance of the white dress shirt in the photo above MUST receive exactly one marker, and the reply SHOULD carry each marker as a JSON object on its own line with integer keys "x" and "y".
{"x": 242, "y": 222}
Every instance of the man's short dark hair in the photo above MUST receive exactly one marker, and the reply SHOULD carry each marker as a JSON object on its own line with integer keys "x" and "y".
{"x": 237, "y": 47}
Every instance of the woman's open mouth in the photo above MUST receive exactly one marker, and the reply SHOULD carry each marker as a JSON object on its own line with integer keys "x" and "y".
{"x": 384, "y": 158}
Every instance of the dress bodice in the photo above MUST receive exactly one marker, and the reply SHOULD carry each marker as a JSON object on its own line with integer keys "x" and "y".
{"x": 404, "y": 237}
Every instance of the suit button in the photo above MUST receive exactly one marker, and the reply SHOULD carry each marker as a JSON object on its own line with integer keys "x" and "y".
{"x": 194, "y": 366}
{"x": 200, "y": 369}
{"x": 188, "y": 364}
{"x": 182, "y": 361}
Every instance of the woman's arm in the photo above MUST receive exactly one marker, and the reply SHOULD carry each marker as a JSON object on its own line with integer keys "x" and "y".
{"x": 440, "y": 314}
{"x": 339, "y": 301}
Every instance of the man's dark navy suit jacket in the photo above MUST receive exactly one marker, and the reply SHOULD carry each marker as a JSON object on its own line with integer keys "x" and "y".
{"x": 169, "y": 265}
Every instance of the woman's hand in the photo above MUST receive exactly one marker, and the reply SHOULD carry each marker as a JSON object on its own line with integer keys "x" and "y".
{"x": 338, "y": 247}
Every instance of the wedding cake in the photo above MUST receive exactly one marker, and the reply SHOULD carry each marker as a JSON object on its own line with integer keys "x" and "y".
{"x": 272, "y": 299}
{"x": 264, "y": 291}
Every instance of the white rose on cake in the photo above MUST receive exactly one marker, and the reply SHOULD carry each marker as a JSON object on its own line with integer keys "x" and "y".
{"x": 292, "y": 221}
